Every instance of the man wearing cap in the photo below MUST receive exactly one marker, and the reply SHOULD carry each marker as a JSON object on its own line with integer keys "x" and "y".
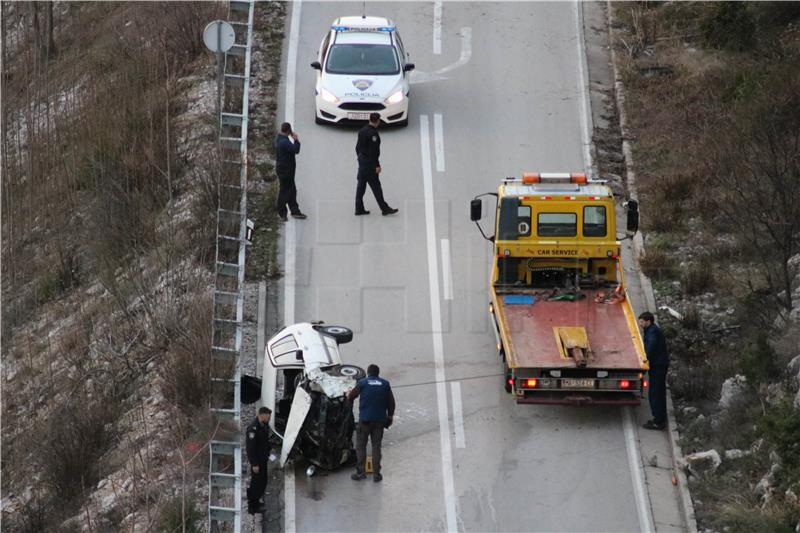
{"x": 258, "y": 448}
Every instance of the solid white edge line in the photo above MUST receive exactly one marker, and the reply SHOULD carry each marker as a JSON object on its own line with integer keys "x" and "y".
{"x": 447, "y": 270}
{"x": 586, "y": 134}
{"x": 436, "y": 326}
{"x": 437, "y": 27}
{"x": 637, "y": 472}
{"x": 438, "y": 141}
{"x": 458, "y": 414}
{"x": 631, "y": 444}
{"x": 289, "y": 499}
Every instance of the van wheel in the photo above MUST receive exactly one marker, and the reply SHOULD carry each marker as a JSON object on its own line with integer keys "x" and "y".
{"x": 349, "y": 371}
{"x": 342, "y": 334}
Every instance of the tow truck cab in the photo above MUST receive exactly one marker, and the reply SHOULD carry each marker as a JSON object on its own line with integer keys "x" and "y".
{"x": 565, "y": 330}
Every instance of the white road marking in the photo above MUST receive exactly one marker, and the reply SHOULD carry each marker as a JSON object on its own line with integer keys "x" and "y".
{"x": 583, "y": 80}
{"x": 417, "y": 76}
{"x": 458, "y": 414}
{"x": 290, "y": 256}
{"x": 436, "y": 325}
{"x": 637, "y": 472}
{"x": 447, "y": 270}
{"x": 631, "y": 444}
{"x": 289, "y": 512}
{"x": 437, "y": 27}
{"x": 438, "y": 141}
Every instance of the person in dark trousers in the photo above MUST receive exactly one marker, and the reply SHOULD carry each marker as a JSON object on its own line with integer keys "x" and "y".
{"x": 655, "y": 346}
{"x": 285, "y": 151}
{"x": 375, "y": 413}
{"x": 368, "y": 150}
{"x": 258, "y": 449}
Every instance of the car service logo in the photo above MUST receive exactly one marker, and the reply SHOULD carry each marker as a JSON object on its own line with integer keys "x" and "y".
{"x": 362, "y": 85}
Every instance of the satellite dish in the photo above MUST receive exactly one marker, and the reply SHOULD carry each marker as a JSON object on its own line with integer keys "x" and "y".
{"x": 219, "y": 36}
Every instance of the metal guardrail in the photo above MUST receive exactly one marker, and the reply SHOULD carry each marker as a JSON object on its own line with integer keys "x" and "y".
{"x": 225, "y": 457}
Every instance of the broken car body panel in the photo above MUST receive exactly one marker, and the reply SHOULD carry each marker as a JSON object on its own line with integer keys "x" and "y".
{"x": 305, "y": 385}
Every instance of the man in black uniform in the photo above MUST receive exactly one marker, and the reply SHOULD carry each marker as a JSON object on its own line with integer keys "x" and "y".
{"x": 258, "y": 448}
{"x": 655, "y": 346}
{"x": 368, "y": 150}
{"x": 285, "y": 165}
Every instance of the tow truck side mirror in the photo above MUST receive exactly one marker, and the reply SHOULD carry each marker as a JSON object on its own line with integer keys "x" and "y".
{"x": 475, "y": 210}
{"x": 408, "y": 67}
{"x": 633, "y": 216}
{"x": 316, "y": 65}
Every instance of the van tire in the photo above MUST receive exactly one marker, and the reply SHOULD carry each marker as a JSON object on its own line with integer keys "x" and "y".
{"x": 350, "y": 371}
{"x": 342, "y": 334}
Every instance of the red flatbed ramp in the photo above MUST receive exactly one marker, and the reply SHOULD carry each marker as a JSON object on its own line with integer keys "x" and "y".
{"x": 530, "y": 328}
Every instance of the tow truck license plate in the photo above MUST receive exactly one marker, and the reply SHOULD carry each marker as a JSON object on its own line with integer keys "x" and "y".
{"x": 358, "y": 116}
{"x": 577, "y": 383}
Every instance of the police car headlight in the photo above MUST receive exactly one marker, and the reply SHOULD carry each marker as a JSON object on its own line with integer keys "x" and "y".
{"x": 327, "y": 95}
{"x": 396, "y": 98}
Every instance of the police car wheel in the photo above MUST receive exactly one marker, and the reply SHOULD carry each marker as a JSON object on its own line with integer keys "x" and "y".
{"x": 351, "y": 371}
{"x": 320, "y": 121}
{"x": 340, "y": 333}
{"x": 402, "y": 123}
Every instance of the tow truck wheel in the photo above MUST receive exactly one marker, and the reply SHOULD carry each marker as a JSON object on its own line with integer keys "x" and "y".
{"x": 351, "y": 371}
{"x": 342, "y": 334}
{"x": 507, "y": 377}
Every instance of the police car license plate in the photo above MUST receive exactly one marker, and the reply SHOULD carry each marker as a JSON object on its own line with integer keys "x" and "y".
{"x": 577, "y": 383}
{"x": 358, "y": 116}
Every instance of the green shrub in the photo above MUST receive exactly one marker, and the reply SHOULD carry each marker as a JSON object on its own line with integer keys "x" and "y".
{"x": 657, "y": 263}
{"x": 172, "y": 517}
{"x": 698, "y": 277}
{"x": 759, "y": 361}
{"x": 729, "y": 26}
{"x": 781, "y": 427}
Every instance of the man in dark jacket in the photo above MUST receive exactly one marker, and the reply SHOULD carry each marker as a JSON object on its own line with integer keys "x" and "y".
{"x": 375, "y": 413}
{"x": 655, "y": 346}
{"x": 258, "y": 448}
{"x": 285, "y": 151}
{"x": 368, "y": 150}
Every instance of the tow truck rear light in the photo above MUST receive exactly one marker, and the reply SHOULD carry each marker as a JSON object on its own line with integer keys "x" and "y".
{"x": 646, "y": 384}
{"x": 624, "y": 384}
{"x": 510, "y": 381}
{"x": 530, "y": 383}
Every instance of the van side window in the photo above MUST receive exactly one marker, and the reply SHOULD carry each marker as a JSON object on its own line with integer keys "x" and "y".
{"x": 557, "y": 225}
{"x": 594, "y": 221}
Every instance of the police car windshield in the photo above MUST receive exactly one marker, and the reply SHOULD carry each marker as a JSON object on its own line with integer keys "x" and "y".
{"x": 375, "y": 59}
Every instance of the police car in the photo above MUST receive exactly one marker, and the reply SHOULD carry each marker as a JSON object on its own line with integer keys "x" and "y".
{"x": 362, "y": 69}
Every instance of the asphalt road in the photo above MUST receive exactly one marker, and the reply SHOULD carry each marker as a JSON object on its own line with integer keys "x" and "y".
{"x": 461, "y": 455}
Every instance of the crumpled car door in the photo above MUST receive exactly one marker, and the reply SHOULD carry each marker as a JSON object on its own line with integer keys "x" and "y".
{"x": 297, "y": 416}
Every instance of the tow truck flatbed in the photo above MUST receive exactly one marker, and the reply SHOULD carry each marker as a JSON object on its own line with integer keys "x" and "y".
{"x": 532, "y": 340}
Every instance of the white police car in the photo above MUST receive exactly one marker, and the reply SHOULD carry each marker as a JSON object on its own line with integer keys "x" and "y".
{"x": 362, "y": 69}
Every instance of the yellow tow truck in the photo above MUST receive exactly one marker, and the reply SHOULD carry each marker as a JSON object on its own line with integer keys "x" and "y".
{"x": 565, "y": 330}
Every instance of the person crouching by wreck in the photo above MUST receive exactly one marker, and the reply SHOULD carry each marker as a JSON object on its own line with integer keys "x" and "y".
{"x": 375, "y": 413}
{"x": 258, "y": 449}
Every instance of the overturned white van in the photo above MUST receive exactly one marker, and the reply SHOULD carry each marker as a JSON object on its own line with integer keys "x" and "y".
{"x": 305, "y": 385}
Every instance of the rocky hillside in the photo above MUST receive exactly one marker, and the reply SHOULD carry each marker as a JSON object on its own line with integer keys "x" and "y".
{"x": 108, "y": 217}
{"x": 713, "y": 98}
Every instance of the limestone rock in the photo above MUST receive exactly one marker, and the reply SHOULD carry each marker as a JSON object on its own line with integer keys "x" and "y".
{"x": 700, "y": 463}
{"x": 732, "y": 390}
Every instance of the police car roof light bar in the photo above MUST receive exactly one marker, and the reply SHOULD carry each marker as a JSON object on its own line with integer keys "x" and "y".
{"x": 376, "y": 29}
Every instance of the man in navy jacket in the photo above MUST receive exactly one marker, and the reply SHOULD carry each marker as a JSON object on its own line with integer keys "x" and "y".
{"x": 375, "y": 413}
{"x": 655, "y": 346}
{"x": 285, "y": 151}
